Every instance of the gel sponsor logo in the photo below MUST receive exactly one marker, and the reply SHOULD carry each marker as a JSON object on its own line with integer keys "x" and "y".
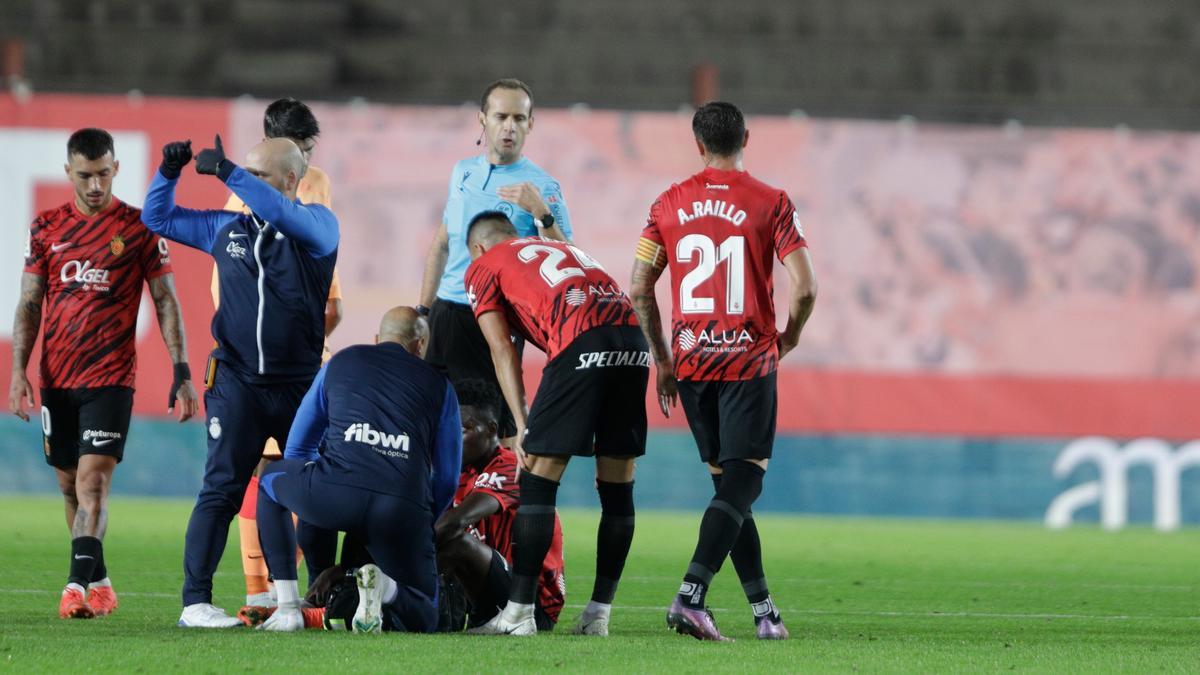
{"x": 100, "y": 438}
{"x": 718, "y": 208}
{"x": 92, "y": 278}
{"x": 1111, "y": 490}
{"x": 393, "y": 445}
{"x": 640, "y": 359}
{"x": 711, "y": 340}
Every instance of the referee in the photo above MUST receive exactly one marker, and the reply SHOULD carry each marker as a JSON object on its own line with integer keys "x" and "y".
{"x": 501, "y": 179}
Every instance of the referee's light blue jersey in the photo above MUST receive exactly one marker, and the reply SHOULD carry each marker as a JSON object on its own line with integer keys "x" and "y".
{"x": 473, "y": 185}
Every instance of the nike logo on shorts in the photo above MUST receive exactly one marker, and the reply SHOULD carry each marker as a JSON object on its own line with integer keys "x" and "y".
{"x": 99, "y": 443}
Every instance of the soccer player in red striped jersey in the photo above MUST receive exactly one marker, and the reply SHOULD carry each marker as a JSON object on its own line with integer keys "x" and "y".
{"x": 85, "y": 263}
{"x": 474, "y": 536}
{"x": 591, "y": 400}
{"x": 718, "y": 232}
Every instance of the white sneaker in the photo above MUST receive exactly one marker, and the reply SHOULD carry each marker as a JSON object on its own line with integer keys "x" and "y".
{"x": 205, "y": 615}
{"x": 261, "y": 600}
{"x": 505, "y": 623}
{"x": 591, "y": 624}
{"x": 368, "y": 618}
{"x": 284, "y": 620}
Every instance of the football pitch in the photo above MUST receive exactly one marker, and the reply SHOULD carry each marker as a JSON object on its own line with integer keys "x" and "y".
{"x": 857, "y": 594}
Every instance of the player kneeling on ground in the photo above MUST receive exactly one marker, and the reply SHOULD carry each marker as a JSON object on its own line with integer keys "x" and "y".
{"x": 392, "y": 453}
{"x": 591, "y": 401}
{"x": 474, "y": 537}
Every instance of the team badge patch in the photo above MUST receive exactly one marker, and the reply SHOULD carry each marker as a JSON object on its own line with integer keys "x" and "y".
{"x": 117, "y": 245}
{"x": 214, "y": 428}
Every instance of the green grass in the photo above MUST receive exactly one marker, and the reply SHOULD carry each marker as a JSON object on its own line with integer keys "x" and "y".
{"x": 857, "y": 594}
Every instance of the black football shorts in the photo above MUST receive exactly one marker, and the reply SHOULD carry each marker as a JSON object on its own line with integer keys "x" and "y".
{"x": 592, "y": 399}
{"x": 92, "y": 421}
{"x": 731, "y": 419}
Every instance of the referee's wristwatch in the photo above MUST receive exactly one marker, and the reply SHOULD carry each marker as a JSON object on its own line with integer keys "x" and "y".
{"x": 545, "y": 222}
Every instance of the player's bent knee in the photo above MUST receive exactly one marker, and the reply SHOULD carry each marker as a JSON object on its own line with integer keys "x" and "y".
{"x": 615, "y": 469}
{"x": 546, "y": 466}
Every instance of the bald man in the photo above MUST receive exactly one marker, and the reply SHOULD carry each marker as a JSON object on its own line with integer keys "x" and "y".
{"x": 406, "y": 327}
{"x": 392, "y": 445}
{"x": 275, "y": 264}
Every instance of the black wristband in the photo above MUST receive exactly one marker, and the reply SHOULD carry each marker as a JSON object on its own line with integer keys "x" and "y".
{"x": 422, "y": 310}
{"x": 182, "y": 372}
{"x": 224, "y": 169}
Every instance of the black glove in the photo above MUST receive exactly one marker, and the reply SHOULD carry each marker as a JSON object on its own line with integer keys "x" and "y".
{"x": 212, "y": 161}
{"x": 182, "y": 373}
{"x": 175, "y": 156}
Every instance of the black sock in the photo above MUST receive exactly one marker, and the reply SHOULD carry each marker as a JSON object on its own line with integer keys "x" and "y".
{"x": 719, "y": 528}
{"x": 613, "y": 537}
{"x": 85, "y": 551}
{"x": 495, "y": 589}
{"x": 100, "y": 573}
{"x": 533, "y": 531}
{"x": 746, "y": 555}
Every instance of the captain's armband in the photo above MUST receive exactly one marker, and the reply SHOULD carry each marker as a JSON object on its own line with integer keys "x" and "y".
{"x": 651, "y": 253}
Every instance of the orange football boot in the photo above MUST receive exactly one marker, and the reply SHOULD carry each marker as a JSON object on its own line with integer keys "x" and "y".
{"x": 102, "y": 599}
{"x": 74, "y": 606}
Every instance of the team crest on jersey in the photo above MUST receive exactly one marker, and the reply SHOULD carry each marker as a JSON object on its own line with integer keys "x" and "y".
{"x": 117, "y": 245}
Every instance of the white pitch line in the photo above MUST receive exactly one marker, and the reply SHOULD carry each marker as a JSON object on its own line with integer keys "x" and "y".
{"x": 785, "y": 610}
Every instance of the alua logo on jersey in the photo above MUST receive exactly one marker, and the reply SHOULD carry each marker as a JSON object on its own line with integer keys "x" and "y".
{"x": 709, "y": 340}
{"x": 362, "y": 432}
{"x": 92, "y": 278}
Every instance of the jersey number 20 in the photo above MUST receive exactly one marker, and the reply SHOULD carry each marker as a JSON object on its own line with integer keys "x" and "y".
{"x": 732, "y": 251}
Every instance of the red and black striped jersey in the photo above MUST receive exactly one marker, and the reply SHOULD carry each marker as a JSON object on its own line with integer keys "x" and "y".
{"x": 499, "y": 479}
{"x": 718, "y": 232}
{"x": 550, "y": 290}
{"x": 94, "y": 268}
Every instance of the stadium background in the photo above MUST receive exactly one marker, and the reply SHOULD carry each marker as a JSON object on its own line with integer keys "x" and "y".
{"x": 1003, "y": 207}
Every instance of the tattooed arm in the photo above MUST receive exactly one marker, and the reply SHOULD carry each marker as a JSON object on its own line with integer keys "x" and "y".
{"x": 170, "y": 323}
{"x": 645, "y": 303}
{"x": 26, "y": 323}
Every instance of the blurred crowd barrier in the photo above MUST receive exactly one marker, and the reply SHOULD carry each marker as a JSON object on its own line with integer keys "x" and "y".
{"x": 977, "y": 281}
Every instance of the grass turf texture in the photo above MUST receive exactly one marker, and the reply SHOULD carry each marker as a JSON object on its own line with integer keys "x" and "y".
{"x": 866, "y": 595}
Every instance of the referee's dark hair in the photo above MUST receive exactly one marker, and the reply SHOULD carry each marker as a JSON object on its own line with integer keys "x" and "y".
{"x": 481, "y": 395}
{"x": 92, "y": 143}
{"x": 505, "y": 83}
{"x": 487, "y": 224}
{"x": 721, "y": 127}
{"x": 289, "y": 118}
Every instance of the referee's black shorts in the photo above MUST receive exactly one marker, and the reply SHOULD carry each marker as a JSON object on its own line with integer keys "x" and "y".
{"x": 731, "y": 420}
{"x": 458, "y": 349}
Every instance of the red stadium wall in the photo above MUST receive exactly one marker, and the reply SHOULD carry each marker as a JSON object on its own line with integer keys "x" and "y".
{"x": 974, "y": 280}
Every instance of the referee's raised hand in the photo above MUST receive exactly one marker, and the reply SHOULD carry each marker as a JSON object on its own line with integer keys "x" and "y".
{"x": 209, "y": 160}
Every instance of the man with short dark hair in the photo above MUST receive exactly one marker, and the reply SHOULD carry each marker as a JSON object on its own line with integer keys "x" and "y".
{"x": 474, "y": 536}
{"x": 275, "y": 264}
{"x": 591, "y": 401}
{"x": 718, "y": 231}
{"x": 85, "y": 263}
{"x": 500, "y": 179}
